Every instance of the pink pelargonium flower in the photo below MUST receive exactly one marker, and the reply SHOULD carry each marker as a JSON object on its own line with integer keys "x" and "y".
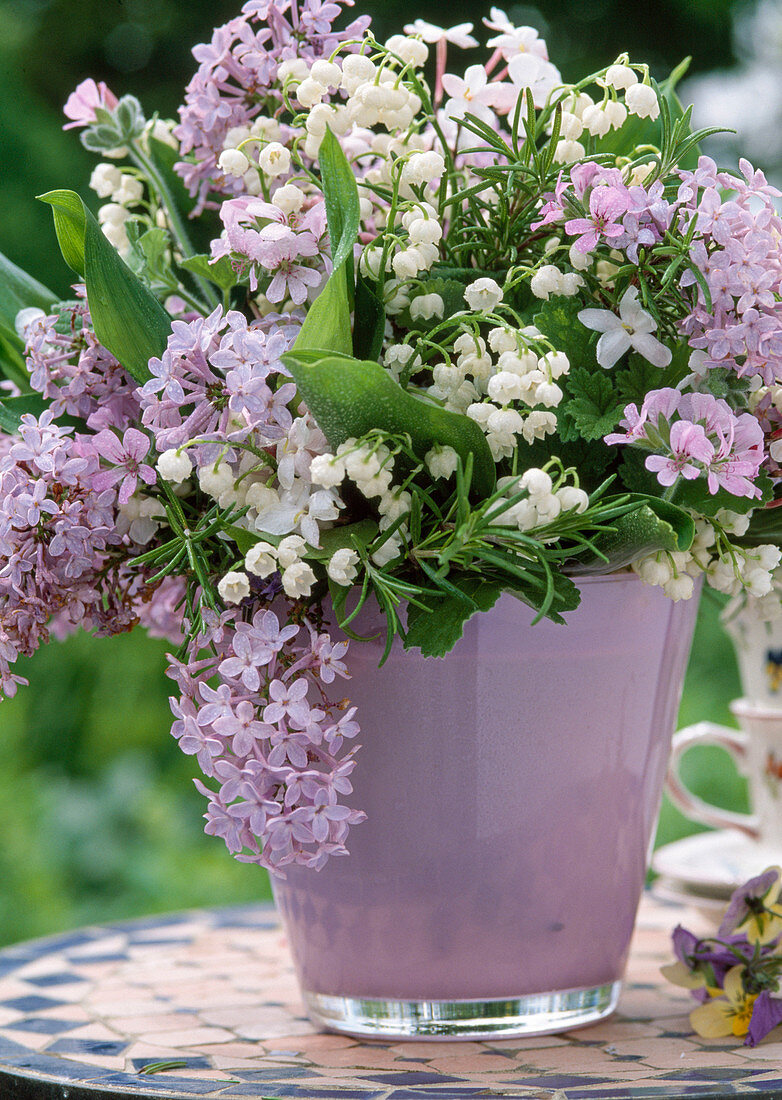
{"x": 126, "y": 455}
{"x": 82, "y": 103}
{"x": 689, "y": 445}
{"x": 606, "y": 206}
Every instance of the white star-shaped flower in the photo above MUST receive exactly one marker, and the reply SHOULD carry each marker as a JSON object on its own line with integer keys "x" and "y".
{"x": 431, "y": 33}
{"x": 633, "y": 328}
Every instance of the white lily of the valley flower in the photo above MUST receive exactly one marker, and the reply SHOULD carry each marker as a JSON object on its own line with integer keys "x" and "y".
{"x": 633, "y": 328}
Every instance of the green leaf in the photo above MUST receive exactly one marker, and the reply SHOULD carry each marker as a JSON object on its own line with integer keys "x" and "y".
{"x": 326, "y": 327}
{"x": 13, "y": 408}
{"x": 327, "y": 324}
{"x": 127, "y": 318}
{"x": 653, "y": 525}
{"x": 69, "y": 219}
{"x": 369, "y": 321}
{"x": 18, "y": 290}
{"x": 221, "y": 273}
{"x": 12, "y": 364}
{"x": 696, "y": 495}
{"x": 436, "y": 629}
{"x": 765, "y": 526}
{"x": 558, "y": 319}
{"x": 348, "y": 398}
{"x": 593, "y": 404}
{"x": 347, "y": 537}
{"x": 343, "y": 212}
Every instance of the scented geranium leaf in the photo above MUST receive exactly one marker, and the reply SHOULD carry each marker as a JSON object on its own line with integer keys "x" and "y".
{"x": 558, "y": 319}
{"x": 349, "y": 397}
{"x": 127, "y": 318}
{"x": 696, "y": 495}
{"x": 593, "y": 405}
{"x": 653, "y": 525}
{"x": 436, "y": 629}
{"x": 221, "y": 273}
{"x": 635, "y": 380}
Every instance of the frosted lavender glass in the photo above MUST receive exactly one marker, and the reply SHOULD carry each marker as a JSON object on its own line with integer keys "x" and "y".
{"x": 512, "y": 789}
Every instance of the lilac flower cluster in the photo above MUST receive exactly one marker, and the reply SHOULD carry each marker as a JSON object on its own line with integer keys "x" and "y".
{"x": 70, "y": 368}
{"x": 212, "y": 384}
{"x": 268, "y": 736}
{"x": 237, "y": 73}
{"x": 696, "y": 433}
{"x": 60, "y": 546}
{"x": 737, "y": 253}
{"x": 268, "y": 242}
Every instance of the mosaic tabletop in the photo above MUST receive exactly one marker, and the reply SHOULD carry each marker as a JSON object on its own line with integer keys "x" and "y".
{"x": 204, "y": 1004}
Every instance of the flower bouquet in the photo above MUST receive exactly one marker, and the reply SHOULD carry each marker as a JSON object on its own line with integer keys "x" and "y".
{"x": 357, "y": 331}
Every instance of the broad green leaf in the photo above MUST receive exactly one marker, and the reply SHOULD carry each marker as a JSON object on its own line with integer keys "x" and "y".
{"x": 655, "y": 524}
{"x": 341, "y": 194}
{"x": 765, "y": 526}
{"x": 349, "y": 397}
{"x": 436, "y": 630}
{"x": 69, "y": 214}
{"x": 127, "y": 318}
{"x": 221, "y": 273}
{"x": 12, "y": 364}
{"x": 369, "y": 321}
{"x": 327, "y": 324}
{"x": 13, "y": 408}
{"x": 245, "y": 540}
{"x": 18, "y": 290}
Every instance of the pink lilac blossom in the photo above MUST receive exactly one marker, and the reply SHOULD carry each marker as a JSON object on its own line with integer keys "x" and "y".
{"x": 82, "y": 103}
{"x": 272, "y": 245}
{"x": 235, "y": 79}
{"x": 62, "y": 560}
{"x": 70, "y": 368}
{"x": 212, "y": 384}
{"x": 268, "y": 737}
{"x": 736, "y": 249}
{"x": 706, "y": 437}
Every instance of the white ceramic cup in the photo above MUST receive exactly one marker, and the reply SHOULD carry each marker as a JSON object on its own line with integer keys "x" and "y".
{"x": 757, "y": 751}
{"x": 758, "y": 646}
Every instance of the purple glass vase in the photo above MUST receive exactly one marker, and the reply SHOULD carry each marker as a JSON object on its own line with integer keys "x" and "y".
{"x": 511, "y": 792}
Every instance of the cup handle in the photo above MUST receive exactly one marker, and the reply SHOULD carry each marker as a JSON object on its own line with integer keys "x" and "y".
{"x": 708, "y": 733}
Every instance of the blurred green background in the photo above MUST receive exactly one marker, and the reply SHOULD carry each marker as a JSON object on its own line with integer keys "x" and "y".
{"x": 101, "y": 819}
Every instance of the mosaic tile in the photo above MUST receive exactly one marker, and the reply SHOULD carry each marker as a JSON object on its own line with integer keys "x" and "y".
{"x": 215, "y": 990}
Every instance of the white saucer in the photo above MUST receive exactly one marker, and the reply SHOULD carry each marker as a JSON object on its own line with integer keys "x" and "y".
{"x": 711, "y": 908}
{"x": 714, "y": 863}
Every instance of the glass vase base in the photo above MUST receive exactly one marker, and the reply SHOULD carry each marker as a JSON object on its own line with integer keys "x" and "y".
{"x": 532, "y": 1014}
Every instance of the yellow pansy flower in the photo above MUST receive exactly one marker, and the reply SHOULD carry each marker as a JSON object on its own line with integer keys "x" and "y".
{"x": 729, "y": 1010}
